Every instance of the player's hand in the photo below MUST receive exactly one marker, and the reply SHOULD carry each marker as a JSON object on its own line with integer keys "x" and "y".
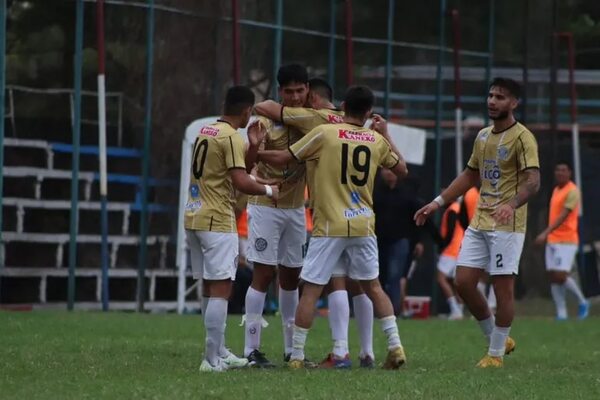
{"x": 275, "y": 189}
{"x": 541, "y": 238}
{"x": 504, "y": 214}
{"x": 379, "y": 124}
{"x": 424, "y": 213}
{"x": 419, "y": 250}
{"x": 256, "y": 133}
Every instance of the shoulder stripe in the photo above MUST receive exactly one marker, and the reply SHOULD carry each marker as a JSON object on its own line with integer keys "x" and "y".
{"x": 232, "y": 152}
{"x": 301, "y": 149}
{"x": 523, "y": 154}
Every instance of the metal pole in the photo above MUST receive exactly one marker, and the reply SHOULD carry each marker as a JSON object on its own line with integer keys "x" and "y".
{"x": 75, "y": 161}
{"x": 457, "y": 92}
{"x": 277, "y": 47}
{"x": 491, "y": 45}
{"x": 2, "y": 100}
{"x": 141, "y": 294}
{"x": 102, "y": 150}
{"x": 574, "y": 123}
{"x": 553, "y": 82}
{"x": 349, "y": 45}
{"x": 525, "y": 60}
{"x": 388, "y": 60}
{"x": 235, "y": 23}
{"x": 332, "y": 30}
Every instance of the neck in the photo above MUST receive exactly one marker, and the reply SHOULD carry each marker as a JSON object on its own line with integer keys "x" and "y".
{"x": 502, "y": 124}
{"x": 563, "y": 184}
{"x": 354, "y": 121}
{"x": 234, "y": 121}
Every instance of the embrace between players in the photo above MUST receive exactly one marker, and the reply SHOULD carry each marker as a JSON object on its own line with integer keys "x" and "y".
{"x": 305, "y": 141}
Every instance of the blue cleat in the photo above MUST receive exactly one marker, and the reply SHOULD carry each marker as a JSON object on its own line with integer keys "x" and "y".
{"x": 333, "y": 362}
{"x": 583, "y": 311}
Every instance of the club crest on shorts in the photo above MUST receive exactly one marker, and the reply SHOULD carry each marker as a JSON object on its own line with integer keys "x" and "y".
{"x": 260, "y": 244}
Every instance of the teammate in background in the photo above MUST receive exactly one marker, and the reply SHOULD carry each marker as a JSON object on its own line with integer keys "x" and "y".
{"x": 322, "y": 111}
{"x": 343, "y": 213}
{"x": 452, "y": 234}
{"x": 277, "y": 231}
{"x": 561, "y": 237}
{"x": 217, "y": 169}
{"x": 505, "y": 160}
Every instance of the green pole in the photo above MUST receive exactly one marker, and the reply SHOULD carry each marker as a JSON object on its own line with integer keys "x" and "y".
{"x": 388, "y": 61}
{"x": 75, "y": 160}
{"x": 331, "y": 64}
{"x": 491, "y": 44}
{"x": 277, "y": 47}
{"x": 143, "y": 254}
{"x": 2, "y": 88}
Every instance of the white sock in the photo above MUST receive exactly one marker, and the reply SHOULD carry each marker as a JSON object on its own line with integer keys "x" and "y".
{"x": 492, "y": 298}
{"x": 299, "y": 340}
{"x": 339, "y": 318}
{"x": 363, "y": 312}
{"x": 571, "y": 285}
{"x": 214, "y": 322}
{"x": 453, "y": 304}
{"x": 389, "y": 327}
{"x": 559, "y": 296}
{"x": 288, "y": 302}
{"x": 498, "y": 341}
{"x": 481, "y": 287}
{"x": 203, "y": 304}
{"x": 487, "y": 327}
{"x": 255, "y": 303}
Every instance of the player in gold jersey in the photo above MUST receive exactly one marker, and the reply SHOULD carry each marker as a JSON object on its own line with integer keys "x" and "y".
{"x": 505, "y": 161}
{"x": 320, "y": 110}
{"x": 343, "y": 213}
{"x": 217, "y": 169}
{"x": 276, "y": 231}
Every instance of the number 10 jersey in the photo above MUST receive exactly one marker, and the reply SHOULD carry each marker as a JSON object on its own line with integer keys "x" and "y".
{"x": 348, "y": 159}
{"x": 211, "y": 196}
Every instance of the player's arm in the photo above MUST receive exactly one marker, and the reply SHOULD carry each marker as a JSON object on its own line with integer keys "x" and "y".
{"x": 270, "y": 109}
{"x": 257, "y": 131}
{"x": 246, "y": 184}
{"x": 276, "y": 158}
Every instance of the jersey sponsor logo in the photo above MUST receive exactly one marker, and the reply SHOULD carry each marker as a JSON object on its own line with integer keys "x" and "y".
{"x": 209, "y": 131}
{"x": 194, "y": 191}
{"x": 350, "y": 213}
{"x": 354, "y": 136}
{"x": 260, "y": 244}
{"x": 491, "y": 172}
{"x": 193, "y": 205}
{"x": 335, "y": 119}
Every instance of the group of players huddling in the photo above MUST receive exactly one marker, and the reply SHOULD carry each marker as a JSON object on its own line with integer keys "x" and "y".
{"x": 304, "y": 141}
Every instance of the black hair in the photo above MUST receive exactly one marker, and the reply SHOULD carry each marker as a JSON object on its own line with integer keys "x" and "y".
{"x": 291, "y": 73}
{"x": 564, "y": 162}
{"x": 358, "y": 101}
{"x": 511, "y": 85}
{"x": 321, "y": 86}
{"x": 237, "y": 99}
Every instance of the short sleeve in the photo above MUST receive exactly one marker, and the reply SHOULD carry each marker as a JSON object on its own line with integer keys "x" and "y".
{"x": 303, "y": 119}
{"x": 308, "y": 147}
{"x": 388, "y": 158}
{"x": 572, "y": 199}
{"x": 527, "y": 151}
{"x": 233, "y": 147}
{"x": 473, "y": 162}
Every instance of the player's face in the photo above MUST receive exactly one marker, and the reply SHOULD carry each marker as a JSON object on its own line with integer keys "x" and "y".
{"x": 562, "y": 174}
{"x": 500, "y": 103}
{"x": 293, "y": 94}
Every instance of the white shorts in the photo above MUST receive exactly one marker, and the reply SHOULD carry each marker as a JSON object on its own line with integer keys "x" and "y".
{"x": 560, "y": 256}
{"x": 276, "y": 236}
{"x": 447, "y": 266}
{"x": 355, "y": 257}
{"x": 496, "y": 252}
{"x": 214, "y": 255}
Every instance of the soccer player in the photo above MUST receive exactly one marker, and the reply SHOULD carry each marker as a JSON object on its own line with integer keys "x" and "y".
{"x": 277, "y": 231}
{"x": 505, "y": 160}
{"x": 217, "y": 169}
{"x": 320, "y": 111}
{"x": 561, "y": 237}
{"x": 348, "y": 157}
{"x": 452, "y": 234}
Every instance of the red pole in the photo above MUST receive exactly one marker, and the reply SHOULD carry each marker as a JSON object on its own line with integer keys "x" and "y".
{"x": 571, "y": 54}
{"x": 235, "y": 11}
{"x": 349, "y": 45}
{"x": 457, "y": 48}
{"x": 100, "y": 35}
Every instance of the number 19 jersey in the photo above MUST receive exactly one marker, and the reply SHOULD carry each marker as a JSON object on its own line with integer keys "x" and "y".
{"x": 211, "y": 196}
{"x": 348, "y": 159}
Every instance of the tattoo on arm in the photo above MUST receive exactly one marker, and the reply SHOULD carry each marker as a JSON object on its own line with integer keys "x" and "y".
{"x": 527, "y": 189}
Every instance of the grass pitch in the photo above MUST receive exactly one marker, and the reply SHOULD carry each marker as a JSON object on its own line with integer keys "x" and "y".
{"x": 59, "y": 355}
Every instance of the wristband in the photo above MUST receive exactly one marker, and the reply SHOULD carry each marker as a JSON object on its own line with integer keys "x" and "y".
{"x": 268, "y": 191}
{"x": 440, "y": 201}
{"x": 252, "y": 177}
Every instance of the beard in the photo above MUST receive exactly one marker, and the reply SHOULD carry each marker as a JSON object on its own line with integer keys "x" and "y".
{"x": 502, "y": 115}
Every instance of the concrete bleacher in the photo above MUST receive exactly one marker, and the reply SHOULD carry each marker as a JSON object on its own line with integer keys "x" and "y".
{"x": 36, "y": 215}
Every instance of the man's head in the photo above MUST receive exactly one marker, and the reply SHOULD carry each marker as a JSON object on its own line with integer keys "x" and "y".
{"x": 503, "y": 98}
{"x": 239, "y": 101}
{"x": 358, "y": 102}
{"x": 293, "y": 85}
{"x": 320, "y": 94}
{"x": 562, "y": 172}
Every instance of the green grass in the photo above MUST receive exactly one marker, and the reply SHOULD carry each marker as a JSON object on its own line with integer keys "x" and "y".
{"x": 57, "y": 355}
